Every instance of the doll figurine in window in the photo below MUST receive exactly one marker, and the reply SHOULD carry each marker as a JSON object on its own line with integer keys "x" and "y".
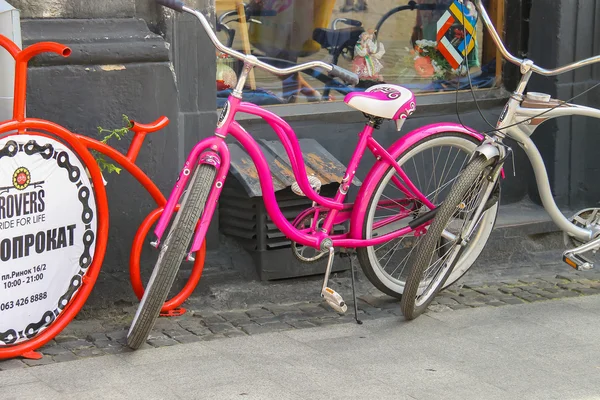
{"x": 368, "y": 52}
{"x": 350, "y": 5}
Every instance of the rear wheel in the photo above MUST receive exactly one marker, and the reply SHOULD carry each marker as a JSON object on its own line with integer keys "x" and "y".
{"x": 433, "y": 260}
{"x": 432, "y": 165}
{"x": 171, "y": 255}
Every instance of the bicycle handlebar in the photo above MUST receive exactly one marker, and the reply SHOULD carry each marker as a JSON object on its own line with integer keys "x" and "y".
{"x": 520, "y": 62}
{"x": 334, "y": 71}
{"x": 176, "y": 5}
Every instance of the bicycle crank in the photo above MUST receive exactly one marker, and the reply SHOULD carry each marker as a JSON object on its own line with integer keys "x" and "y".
{"x": 307, "y": 254}
{"x": 332, "y": 297}
{"x": 588, "y": 218}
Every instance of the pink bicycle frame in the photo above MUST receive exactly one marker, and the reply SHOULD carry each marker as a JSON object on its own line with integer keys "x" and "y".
{"x": 214, "y": 151}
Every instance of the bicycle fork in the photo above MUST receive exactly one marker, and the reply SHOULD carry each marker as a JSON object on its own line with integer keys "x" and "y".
{"x": 214, "y": 152}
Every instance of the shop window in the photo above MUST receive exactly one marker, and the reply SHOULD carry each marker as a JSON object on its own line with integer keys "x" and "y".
{"x": 417, "y": 45}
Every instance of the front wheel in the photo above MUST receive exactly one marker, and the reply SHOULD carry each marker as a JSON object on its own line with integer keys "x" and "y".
{"x": 432, "y": 164}
{"x": 171, "y": 255}
{"x": 453, "y": 230}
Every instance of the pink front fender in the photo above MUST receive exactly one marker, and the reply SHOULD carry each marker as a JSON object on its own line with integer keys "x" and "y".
{"x": 369, "y": 185}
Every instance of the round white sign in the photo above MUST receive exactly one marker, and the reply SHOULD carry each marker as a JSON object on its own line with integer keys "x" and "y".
{"x": 47, "y": 233}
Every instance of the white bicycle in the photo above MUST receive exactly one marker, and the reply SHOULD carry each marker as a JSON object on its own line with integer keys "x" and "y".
{"x": 457, "y": 218}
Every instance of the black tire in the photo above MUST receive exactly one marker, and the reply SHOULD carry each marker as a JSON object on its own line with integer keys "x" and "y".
{"x": 173, "y": 250}
{"x": 459, "y": 145}
{"x": 427, "y": 248}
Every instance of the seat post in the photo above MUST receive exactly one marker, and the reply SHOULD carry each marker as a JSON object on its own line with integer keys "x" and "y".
{"x": 374, "y": 121}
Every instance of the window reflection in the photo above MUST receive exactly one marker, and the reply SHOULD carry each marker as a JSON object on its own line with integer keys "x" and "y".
{"x": 382, "y": 41}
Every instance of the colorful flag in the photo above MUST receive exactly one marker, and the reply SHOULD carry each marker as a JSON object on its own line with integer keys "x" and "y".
{"x": 455, "y": 42}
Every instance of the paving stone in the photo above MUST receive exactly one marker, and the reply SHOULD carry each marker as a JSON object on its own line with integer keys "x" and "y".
{"x": 270, "y": 327}
{"x": 529, "y": 297}
{"x": 509, "y": 290}
{"x": 11, "y": 364}
{"x": 294, "y": 315}
{"x": 569, "y": 293}
{"x": 65, "y": 338}
{"x": 459, "y": 307}
{"x": 116, "y": 335}
{"x": 329, "y": 321}
{"x": 571, "y": 285}
{"x": 209, "y": 318}
{"x": 469, "y": 293}
{"x": 88, "y": 352}
{"x": 235, "y": 317}
{"x": 468, "y": 286}
{"x": 175, "y": 331}
{"x": 586, "y": 281}
{"x": 471, "y": 303}
{"x": 512, "y": 300}
{"x": 54, "y": 350}
{"x": 235, "y": 333}
{"x": 268, "y": 320}
{"x": 187, "y": 338}
{"x": 223, "y": 327}
{"x": 258, "y": 313}
{"x": 212, "y": 337}
{"x": 301, "y": 324}
{"x": 491, "y": 285}
{"x": 446, "y": 300}
{"x": 165, "y": 323}
{"x": 553, "y": 296}
{"x": 282, "y": 309}
{"x": 362, "y": 306}
{"x": 553, "y": 289}
{"x": 65, "y": 357}
{"x": 156, "y": 334}
{"x": 117, "y": 349}
{"x": 538, "y": 292}
{"x": 375, "y": 301}
{"x": 77, "y": 344}
{"x": 196, "y": 327}
{"x": 587, "y": 291}
{"x": 162, "y": 342}
{"x": 566, "y": 277}
{"x": 313, "y": 310}
{"x": 526, "y": 282}
{"x": 540, "y": 283}
{"x": 496, "y": 303}
{"x": 432, "y": 307}
{"x": 92, "y": 337}
{"x": 42, "y": 361}
{"x": 103, "y": 344}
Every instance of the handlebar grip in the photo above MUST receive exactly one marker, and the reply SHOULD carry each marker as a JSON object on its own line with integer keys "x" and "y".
{"x": 345, "y": 75}
{"x": 176, "y": 5}
{"x": 352, "y": 22}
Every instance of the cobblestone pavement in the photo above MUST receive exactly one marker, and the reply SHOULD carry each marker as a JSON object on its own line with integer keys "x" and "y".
{"x": 106, "y": 334}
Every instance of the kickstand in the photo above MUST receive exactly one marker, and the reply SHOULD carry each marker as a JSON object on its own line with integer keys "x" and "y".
{"x": 352, "y": 262}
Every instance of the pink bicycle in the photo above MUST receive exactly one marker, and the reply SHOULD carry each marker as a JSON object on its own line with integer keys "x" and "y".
{"x": 395, "y": 203}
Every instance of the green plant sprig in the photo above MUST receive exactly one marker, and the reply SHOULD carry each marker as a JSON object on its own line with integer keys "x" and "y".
{"x": 109, "y": 134}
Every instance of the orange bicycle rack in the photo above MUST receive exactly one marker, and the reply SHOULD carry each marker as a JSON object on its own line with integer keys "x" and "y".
{"x": 80, "y": 145}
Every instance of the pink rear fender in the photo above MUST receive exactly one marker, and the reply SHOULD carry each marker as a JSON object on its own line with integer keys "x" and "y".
{"x": 359, "y": 213}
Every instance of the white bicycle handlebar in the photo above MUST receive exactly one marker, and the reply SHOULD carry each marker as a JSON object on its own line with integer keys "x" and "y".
{"x": 518, "y": 61}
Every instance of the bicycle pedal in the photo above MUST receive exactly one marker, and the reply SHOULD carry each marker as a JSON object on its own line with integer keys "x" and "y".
{"x": 577, "y": 261}
{"x": 334, "y": 300}
{"x": 314, "y": 182}
{"x": 176, "y": 312}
